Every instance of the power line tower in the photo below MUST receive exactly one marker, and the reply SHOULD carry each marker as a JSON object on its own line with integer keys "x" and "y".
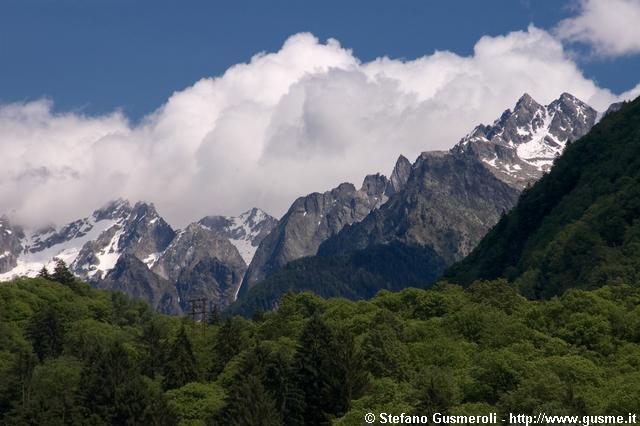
{"x": 199, "y": 313}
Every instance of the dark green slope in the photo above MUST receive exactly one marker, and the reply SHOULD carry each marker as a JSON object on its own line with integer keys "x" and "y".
{"x": 578, "y": 226}
{"x": 356, "y": 275}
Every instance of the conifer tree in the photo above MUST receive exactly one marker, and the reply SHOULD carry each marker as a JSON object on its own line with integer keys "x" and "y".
{"x": 152, "y": 338}
{"x": 44, "y": 273}
{"x": 180, "y": 367}
{"x": 313, "y": 363}
{"x": 258, "y": 315}
{"x": 329, "y": 372}
{"x": 350, "y": 376}
{"x": 280, "y": 380}
{"x": 228, "y": 344}
{"x": 46, "y": 332}
{"x": 436, "y": 391}
{"x": 61, "y": 273}
{"x": 113, "y": 391}
{"x": 249, "y": 402}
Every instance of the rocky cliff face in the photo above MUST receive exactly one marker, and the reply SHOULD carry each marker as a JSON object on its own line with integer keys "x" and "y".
{"x": 399, "y": 176}
{"x": 132, "y": 276}
{"x": 10, "y": 245}
{"x": 246, "y": 231}
{"x": 522, "y": 144}
{"x": 448, "y": 204}
{"x": 202, "y": 263}
{"x": 312, "y": 219}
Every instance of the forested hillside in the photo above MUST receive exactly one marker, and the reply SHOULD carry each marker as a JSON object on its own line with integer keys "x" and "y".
{"x": 578, "y": 226}
{"x": 356, "y": 275}
{"x": 76, "y": 356}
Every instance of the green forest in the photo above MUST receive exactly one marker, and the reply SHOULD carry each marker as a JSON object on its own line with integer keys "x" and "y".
{"x": 72, "y": 355}
{"x": 578, "y": 226}
{"x": 356, "y": 275}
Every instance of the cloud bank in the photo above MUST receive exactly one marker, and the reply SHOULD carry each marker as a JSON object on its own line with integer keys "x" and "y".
{"x": 610, "y": 27}
{"x": 287, "y": 123}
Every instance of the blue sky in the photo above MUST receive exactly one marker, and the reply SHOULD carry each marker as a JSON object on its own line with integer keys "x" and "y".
{"x": 97, "y": 55}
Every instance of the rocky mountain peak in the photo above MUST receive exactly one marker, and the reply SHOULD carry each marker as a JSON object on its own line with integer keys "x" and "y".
{"x": 138, "y": 231}
{"x": 522, "y": 144}
{"x": 526, "y": 103}
{"x": 253, "y": 216}
{"x": 399, "y": 176}
{"x": 113, "y": 210}
{"x": 345, "y": 189}
{"x": 448, "y": 204}
{"x": 132, "y": 276}
{"x": 145, "y": 232}
{"x": 373, "y": 185}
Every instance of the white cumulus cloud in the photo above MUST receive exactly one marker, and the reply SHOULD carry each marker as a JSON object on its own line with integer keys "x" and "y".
{"x": 284, "y": 124}
{"x": 611, "y": 27}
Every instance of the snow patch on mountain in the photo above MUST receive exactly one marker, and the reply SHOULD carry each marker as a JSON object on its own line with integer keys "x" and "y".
{"x": 31, "y": 260}
{"x": 522, "y": 144}
{"x": 244, "y": 231}
{"x": 108, "y": 256}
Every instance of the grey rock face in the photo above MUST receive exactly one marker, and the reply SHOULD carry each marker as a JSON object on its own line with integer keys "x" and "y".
{"x": 192, "y": 244}
{"x": 163, "y": 267}
{"x": 312, "y": 219}
{"x": 245, "y": 231}
{"x": 132, "y": 276}
{"x": 209, "y": 278}
{"x": 522, "y": 144}
{"x": 203, "y": 264}
{"x": 613, "y": 108}
{"x": 10, "y": 245}
{"x": 448, "y": 204}
{"x": 145, "y": 232}
{"x": 399, "y": 176}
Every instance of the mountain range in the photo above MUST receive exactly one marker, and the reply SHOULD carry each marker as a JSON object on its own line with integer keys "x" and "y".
{"x": 133, "y": 249}
{"x": 391, "y": 233}
{"x": 448, "y": 203}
